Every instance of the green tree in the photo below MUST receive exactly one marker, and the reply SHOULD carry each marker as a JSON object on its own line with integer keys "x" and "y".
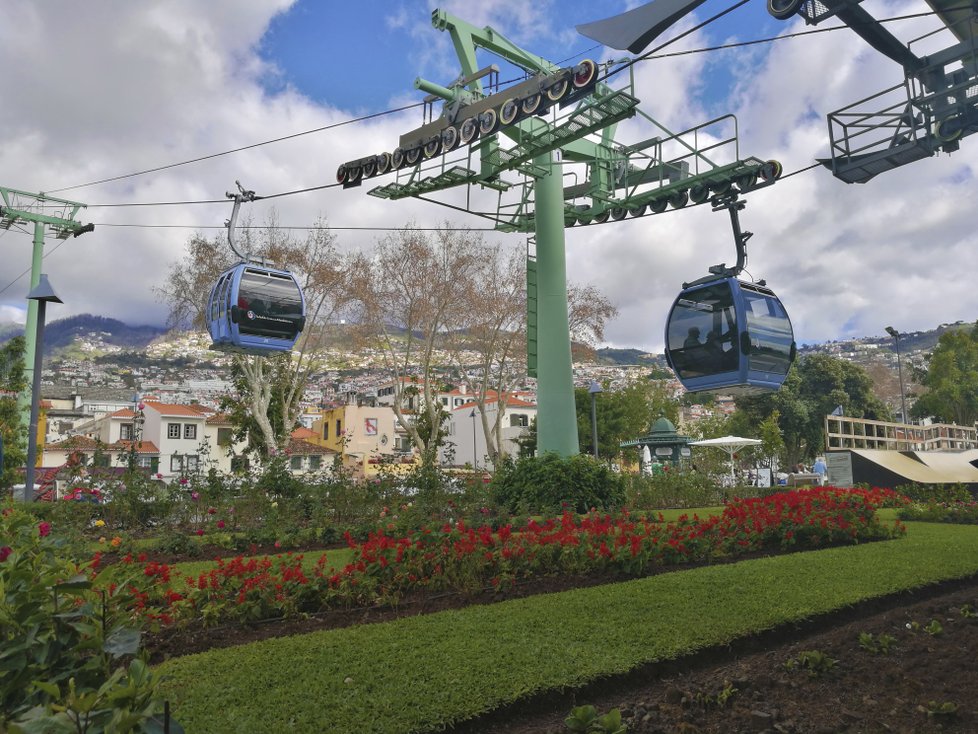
{"x": 815, "y": 385}
{"x": 622, "y": 415}
{"x": 12, "y": 430}
{"x": 951, "y": 380}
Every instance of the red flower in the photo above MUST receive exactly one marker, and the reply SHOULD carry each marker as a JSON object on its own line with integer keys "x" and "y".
{"x": 4, "y": 552}
{"x": 200, "y": 531}
{"x": 44, "y": 529}
{"x": 220, "y": 524}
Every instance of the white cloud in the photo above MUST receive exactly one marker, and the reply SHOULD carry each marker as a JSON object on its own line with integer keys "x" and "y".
{"x": 110, "y": 88}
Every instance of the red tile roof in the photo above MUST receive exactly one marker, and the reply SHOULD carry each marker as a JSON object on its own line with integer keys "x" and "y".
{"x": 298, "y": 447}
{"x": 144, "y": 447}
{"x": 123, "y": 413}
{"x": 304, "y": 433}
{"x": 73, "y": 443}
{"x": 170, "y": 409}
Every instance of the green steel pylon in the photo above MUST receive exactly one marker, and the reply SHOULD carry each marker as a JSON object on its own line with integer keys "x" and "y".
{"x": 555, "y": 118}
{"x": 48, "y": 215}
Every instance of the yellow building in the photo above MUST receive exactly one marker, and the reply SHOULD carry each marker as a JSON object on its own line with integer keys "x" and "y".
{"x": 366, "y": 435}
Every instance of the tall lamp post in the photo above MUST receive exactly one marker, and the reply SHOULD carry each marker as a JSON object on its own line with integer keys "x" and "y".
{"x": 594, "y": 390}
{"x": 42, "y": 293}
{"x": 903, "y": 398}
{"x": 475, "y": 456}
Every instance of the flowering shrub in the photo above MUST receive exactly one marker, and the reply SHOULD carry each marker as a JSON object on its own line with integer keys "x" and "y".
{"x": 66, "y": 663}
{"x": 462, "y": 558}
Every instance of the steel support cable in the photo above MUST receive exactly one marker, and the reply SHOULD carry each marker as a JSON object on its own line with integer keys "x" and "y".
{"x": 237, "y": 150}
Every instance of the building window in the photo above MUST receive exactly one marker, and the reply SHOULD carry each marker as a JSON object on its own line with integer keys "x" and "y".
{"x": 315, "y": 462}
{"x": 189, "y": 430}
{"x": 173, "y": 430}
{"x": 325, "y": 430}
{"x": 296, "y": 463}
{"x": 183, "y": 463}
{"x": 223, "y": 436}
{"x": 176, "y": 464}
{"x": 126, "y": 432}
{"x": 519, "y": 419}
{"x": 339, "y": 428}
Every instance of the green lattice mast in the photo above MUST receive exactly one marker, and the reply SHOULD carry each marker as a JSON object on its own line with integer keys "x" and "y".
{"x": 48, "y": 215}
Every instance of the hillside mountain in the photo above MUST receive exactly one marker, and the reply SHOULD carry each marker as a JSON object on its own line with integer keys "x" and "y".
{"x": 62, "y": 333}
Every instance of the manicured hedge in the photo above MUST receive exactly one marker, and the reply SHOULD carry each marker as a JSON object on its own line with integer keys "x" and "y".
{"x": 425, "y": 673}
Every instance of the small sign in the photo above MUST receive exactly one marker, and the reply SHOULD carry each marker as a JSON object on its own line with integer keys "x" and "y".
{"x": 370, "y": 426}
{"x": 839, "y": 464}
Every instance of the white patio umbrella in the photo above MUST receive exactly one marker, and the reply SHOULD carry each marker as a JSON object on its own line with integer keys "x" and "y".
{"x": 730, "y": 444}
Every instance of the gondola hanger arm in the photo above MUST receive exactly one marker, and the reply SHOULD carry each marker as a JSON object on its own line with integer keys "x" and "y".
{"x": 242, "y": 195}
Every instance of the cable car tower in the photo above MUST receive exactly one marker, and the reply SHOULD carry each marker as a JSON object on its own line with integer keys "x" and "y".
{"x": 49, "y": 215}
{"x": 934, "y": 106}
{"x": 929, "y": 111}
{"x": 540, "y": 155}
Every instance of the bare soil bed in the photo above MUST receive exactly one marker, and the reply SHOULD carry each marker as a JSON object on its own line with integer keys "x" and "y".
{"x": 813, "y": 677}
{"x": 925, "y": 683}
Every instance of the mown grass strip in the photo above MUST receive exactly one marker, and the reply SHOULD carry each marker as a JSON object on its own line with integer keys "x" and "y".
{"x": 423, "y": 673}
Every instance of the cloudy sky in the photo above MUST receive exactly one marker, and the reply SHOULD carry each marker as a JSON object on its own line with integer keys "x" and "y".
{"x": 105, "y": 89}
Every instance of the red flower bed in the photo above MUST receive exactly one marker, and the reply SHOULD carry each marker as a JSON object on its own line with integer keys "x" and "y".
{"x": 466, "y": 559}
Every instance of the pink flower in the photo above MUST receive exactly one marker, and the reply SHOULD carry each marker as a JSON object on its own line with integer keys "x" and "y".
{"x": 200, "y": 531}
{"x": 220, "y": 524}
{"x": 211, "y": 510}
{"x": 183, "y": 480}
{"x": 44, "y": 529}
{"x": 278, "y": 543}
{"x": 4, "y": 552}
{"x": 195, "y": 496}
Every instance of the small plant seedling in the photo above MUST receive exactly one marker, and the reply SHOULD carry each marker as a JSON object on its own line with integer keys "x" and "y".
{"x": 726, "y": 694}
{"x": 968, "y": 612}
{"x": 934, "y": 628}
{"x": 881, "y": 644}
{"x": 885, "y": 642}
{"x": 943, "y": 709}
{"x": 585, "y": 719}
{"x": 816, "y": 662}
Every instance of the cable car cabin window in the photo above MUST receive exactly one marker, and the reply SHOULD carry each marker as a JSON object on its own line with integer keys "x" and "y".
{"x": 271, "y": 305}
{"x": 770, "y": 332}
{"x": 703, "y": 332}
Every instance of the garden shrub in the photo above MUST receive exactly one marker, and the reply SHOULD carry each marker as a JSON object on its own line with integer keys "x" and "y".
{"x": 943, "y": 493}
{"x": 551, "y": 484}
{"x": 66, "y": 659}
{"x": 684, "y": 487}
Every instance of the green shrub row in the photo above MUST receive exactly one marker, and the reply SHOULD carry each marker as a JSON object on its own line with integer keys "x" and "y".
{"x": 426, "y": 673}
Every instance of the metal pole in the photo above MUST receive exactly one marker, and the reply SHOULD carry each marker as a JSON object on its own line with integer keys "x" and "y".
{"x": 556, "y": 417}
{"x": 475, "y": 455}
{"x": 30, "y": 328}
{"x": 35, "y": 401}
{"x": 903, "y": 398}
{"x": 594, "y": 423}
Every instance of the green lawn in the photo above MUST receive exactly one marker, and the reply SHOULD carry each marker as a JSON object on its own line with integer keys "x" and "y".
{"x": 423, "y": 673}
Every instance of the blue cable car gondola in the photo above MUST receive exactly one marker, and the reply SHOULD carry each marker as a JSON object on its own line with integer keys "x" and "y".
{"x": 254, "y": 308}
{"x": 724, "y": 334}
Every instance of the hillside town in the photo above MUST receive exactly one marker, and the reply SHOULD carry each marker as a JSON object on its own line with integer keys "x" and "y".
{"x": 162, "y": 402}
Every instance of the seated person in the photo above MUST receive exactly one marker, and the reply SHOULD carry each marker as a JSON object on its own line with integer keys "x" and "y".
{"x": 693, "y": 338}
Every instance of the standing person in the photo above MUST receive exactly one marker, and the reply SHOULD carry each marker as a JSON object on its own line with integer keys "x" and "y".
{"x": 821, "y": 469}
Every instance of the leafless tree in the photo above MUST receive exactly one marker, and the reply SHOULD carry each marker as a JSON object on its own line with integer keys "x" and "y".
{"x": 411, "y": 291}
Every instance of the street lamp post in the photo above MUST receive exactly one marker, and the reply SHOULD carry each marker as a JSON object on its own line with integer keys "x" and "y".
{"x": 42, "y": 293}
{"x": 903, "y": 398}
{"x": 594, "y": 390}
{"x": 475, "y": 456}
